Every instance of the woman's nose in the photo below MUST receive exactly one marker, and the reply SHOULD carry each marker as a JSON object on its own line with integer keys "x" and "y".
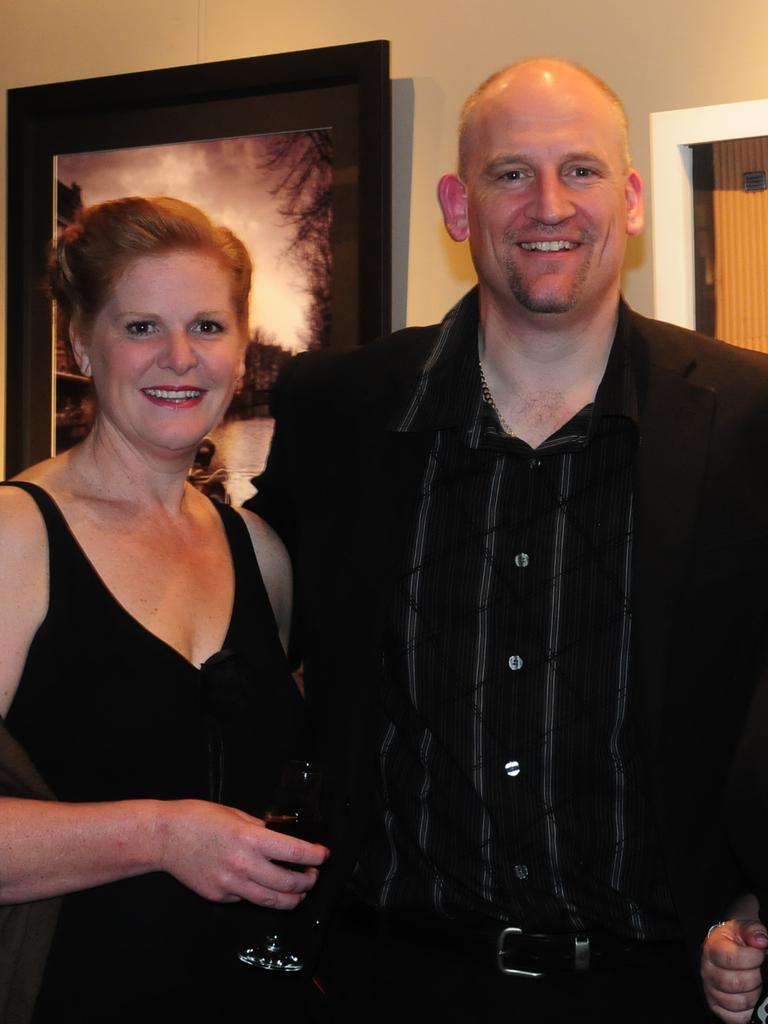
{"x": 178, "y": 353}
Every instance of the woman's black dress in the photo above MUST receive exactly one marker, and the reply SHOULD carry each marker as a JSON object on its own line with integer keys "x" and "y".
{"x": 107, "y": 711}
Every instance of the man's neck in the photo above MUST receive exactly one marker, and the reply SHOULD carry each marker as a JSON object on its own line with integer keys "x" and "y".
{"x": 543, "y": 368}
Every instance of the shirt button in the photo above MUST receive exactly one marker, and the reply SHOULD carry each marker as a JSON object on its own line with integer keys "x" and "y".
{"x": 534, "y": 463}
{"x": 512, "y": 768}
{"x": 521, "y": 560}
{"x": 515, "y": 662}
{"x": 521, "y": 871}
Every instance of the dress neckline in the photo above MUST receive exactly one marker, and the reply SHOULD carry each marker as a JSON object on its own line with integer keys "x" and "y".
{"x": 226, "y": 526}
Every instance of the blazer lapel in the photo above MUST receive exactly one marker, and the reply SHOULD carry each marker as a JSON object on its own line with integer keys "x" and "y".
{"x": 388, "y": 487}
{"x": 676, "y": 417}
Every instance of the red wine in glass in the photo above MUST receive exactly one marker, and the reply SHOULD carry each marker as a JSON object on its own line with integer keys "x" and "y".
{"x": 303, "y": 824}
{"x": 294, "y": 811}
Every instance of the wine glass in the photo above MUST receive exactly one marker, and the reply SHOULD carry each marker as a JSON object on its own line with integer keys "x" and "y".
{"x": 295, "y": 811}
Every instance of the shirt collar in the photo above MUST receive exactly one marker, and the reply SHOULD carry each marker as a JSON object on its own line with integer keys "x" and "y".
{"x": 447, "y": 392}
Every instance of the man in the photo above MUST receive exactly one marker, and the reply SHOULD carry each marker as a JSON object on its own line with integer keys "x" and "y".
{"x": 529, "y": 545}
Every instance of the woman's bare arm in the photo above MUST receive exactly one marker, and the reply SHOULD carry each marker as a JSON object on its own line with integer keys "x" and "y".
{"x": 23, "y": 585}
{"x": 50, "y": 848}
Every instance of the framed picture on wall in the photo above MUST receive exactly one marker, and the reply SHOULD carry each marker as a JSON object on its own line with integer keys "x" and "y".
{"x": 291, "y": 151}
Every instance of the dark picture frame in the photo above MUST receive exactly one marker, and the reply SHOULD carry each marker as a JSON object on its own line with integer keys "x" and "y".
{"x": 345, "y": 88}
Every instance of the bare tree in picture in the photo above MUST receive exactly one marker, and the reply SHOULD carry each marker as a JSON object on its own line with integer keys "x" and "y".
{"x": 303, "y": 163}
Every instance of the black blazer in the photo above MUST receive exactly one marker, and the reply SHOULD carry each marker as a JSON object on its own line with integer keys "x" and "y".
{"x": 746, "y": 800}
{"x": 339, "y": 487}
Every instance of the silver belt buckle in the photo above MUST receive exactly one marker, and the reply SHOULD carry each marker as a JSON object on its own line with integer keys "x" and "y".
{"x": 581, "y": 954}
{"x": 501, "y": 953}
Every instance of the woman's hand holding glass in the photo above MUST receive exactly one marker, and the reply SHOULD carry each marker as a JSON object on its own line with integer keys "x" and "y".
{"x": 226, "y": 855}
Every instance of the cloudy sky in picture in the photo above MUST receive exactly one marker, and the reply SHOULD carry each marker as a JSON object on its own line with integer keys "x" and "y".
{"x": 225, "y": 178}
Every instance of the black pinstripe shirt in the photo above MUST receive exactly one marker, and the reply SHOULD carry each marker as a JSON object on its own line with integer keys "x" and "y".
{"x": 509, "y": 783}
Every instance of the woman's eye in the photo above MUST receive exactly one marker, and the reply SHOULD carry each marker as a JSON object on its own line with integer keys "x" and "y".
{"x": 141, "y": 328}
{"x": 207, "y": 327}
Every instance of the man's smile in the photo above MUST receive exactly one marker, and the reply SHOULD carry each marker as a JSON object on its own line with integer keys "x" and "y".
{"x": 554, "y": 246}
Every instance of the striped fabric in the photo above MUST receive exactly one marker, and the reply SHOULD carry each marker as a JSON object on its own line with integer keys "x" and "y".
{"x": 509, "y": 783}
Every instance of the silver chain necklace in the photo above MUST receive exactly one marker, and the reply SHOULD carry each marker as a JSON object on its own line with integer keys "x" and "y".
{"x": 488, "y": 399}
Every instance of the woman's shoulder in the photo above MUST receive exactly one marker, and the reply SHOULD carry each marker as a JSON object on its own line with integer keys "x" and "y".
{"x": 20, "y": 518}
{"x": 266, "y": 543}
{"x": 20, "y": 514}
{"x": 274, "y": 564}
{"x": 23, "y": 555}
{"x": 27, "y": 510}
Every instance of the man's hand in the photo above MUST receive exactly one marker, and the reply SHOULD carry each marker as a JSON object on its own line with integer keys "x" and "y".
{"x": 731, "y": 958}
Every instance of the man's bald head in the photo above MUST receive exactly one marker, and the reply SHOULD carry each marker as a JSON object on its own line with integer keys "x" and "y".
{"x": 544, "y": 161}
{"x": 550, "y": 70}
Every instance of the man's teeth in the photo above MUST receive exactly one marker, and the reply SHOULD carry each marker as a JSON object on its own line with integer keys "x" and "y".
{"x": 548, "y": 246}
{"x": 177, "y": 395}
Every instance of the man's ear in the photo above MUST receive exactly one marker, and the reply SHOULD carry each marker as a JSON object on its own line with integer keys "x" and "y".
{"x": 635, "y": 204}
{"x": 452, "y": 194}
{"x": 79, "y": 349}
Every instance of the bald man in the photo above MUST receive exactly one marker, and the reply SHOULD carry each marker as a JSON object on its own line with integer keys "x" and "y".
{"x": 530, "y": 546}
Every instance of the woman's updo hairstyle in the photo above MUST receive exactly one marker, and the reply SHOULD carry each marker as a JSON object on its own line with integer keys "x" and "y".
{"x": 90, "y": 254}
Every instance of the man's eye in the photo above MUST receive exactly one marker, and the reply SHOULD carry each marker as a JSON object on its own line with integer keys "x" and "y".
{"x": 141, "y": 328}
{"x": 515, "y": 175}
{"x": 582, "y": 172}
{"x": 207, "y": 327}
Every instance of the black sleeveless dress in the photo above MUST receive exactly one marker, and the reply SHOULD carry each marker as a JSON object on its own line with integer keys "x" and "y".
{"x": 107, "y": 711}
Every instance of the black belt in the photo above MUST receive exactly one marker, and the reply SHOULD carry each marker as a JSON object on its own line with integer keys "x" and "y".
{"x": 514, "y": 952}
{"x": 532, "y": 956}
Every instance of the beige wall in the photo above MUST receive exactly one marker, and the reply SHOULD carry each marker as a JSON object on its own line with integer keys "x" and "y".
{"x": 658, "y": 55}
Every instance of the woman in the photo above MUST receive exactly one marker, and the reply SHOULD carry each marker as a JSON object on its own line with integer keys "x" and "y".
{"x": 141, "y": 668}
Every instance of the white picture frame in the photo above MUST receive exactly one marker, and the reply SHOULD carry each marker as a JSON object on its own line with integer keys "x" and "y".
{"x": 673, "y": 132}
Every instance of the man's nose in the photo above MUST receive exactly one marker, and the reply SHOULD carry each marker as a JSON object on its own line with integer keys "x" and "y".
{"x": 550, "y": 201}
{"x": 178, "y": 353}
